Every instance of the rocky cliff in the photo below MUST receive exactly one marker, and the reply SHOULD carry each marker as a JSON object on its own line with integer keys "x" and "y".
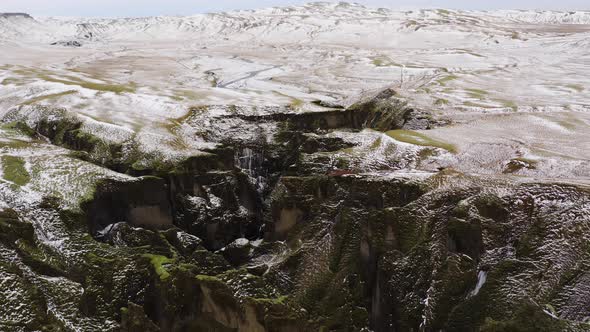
{"x": 280, "y": 231}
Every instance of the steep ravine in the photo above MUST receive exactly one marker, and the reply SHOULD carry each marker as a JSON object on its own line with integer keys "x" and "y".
{"x": 281, "y": 232}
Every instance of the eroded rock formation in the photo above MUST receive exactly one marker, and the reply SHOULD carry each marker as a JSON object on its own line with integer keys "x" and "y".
{"x": 260, "y": 233}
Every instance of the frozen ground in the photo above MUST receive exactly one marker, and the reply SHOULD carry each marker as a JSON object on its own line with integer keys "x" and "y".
{"x": 513, "y": 83}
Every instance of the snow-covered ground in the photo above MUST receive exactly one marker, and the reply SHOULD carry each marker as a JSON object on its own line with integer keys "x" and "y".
{"x": 515, "y": 84}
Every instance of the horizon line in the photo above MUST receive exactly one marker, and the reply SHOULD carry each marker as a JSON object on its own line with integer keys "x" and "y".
{"x": 393, "y": 9}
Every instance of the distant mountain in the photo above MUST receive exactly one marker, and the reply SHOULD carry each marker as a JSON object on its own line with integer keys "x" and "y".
{"x": 15, "y": 15}
{"x": 298, "y": 22}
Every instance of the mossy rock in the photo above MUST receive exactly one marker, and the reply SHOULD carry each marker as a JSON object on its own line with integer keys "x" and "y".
{"x": 12, "y": 228}
{"x": 421, "y": 139}
{"x": 13, "y": 169}
{"x": 25, "y": 308}
{"x": 19, "y": 235}
{"x": 528, "y": 317}
{"x": 383, "y": 112}
{"x": 158, "y": 262}
{"x": 489, "y": 302}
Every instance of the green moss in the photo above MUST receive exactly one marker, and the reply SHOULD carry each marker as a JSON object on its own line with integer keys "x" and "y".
{"x": 153, "y": 162}
{"x": 271, "y": 301}
{"x": 447, "y": 79}
{"x": 476, "y": 93}
{"x": 378, "y": 62}
{"x": 382, "y": 62}
{"x": 158, "y": 262}
{"x": 38, "y": 260}
{"x": 205, "y": 278}
{"x": 50, "y": 96}
{"x": 14, "y": 170}
{"x": 576, "y": 87}
{"x": 94, "y": 259}
{"x": 18, "y": 127}
{"x": 509, "y": 104}
{"x": 15, "y": 144}
{"x": 10, "y": 80}
{"x": 528, "y": 317}
{"x": 186, "y": 267}
{"x": 441, "y": 102}
{"x": 12, "y": 135}
{"x": 551, "y": 309}
{"x": 88, "y": 196}
{"x": 416, "y": 138}
{"x": 472, "y": 104}
{"x": 376, "y": 143}
{"x": 296, "y": 103}
{"x": 116, "y": 88}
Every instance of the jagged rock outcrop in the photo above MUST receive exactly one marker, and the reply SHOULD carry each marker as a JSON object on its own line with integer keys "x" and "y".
{"x": 67, "y": 43}
{"x": 387, "y": 111}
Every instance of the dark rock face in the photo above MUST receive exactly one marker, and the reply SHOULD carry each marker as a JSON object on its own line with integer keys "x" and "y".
{"x": 250, "y": 236}
{"x": 386, "y": 111}
{"x": 25, "y": 15}
{"x": 143, "y": 203}
{"x": 67, "y": 43}
{"x": 220, "y": 208}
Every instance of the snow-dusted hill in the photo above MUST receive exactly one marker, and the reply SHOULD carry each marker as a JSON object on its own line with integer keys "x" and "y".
{"x": 473, "y": 68}
{"x": 323, "y": 167}
{"x": 266, "y": 23}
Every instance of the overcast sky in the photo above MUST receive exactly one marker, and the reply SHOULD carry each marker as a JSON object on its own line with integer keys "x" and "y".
{"x": 188, "y": 7}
